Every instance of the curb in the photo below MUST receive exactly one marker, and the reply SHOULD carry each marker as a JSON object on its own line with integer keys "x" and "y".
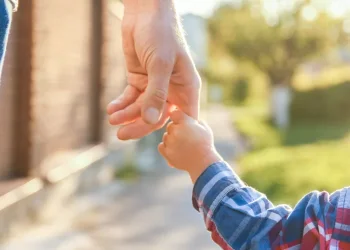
{"x": 41, "y": 199}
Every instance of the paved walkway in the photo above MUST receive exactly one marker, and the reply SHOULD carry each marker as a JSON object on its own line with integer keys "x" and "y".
{"x": 154, "y": 213}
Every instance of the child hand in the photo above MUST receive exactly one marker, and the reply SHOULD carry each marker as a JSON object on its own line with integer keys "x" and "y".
{"x": 188, "y": 145}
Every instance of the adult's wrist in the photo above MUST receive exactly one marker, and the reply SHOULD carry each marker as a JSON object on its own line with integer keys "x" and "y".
{"x": 139, "y": 6}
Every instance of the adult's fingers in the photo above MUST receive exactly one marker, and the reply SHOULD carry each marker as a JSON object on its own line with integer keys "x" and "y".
{"x": 191, "y": 105}
{"x": 136, "y": 130}
{"x": 127, "y": 115}
{"x": 129, "y": 96}
{"x": 159, "y": 72}
{"x": 189, "y": 77}
{"x": 139, "y": 128}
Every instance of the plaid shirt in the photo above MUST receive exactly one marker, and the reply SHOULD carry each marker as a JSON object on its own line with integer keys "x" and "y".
{"x": 239, "y": 217}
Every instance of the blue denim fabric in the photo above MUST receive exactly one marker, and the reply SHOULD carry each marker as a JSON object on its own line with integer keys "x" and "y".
{"x": 5, "y": 21}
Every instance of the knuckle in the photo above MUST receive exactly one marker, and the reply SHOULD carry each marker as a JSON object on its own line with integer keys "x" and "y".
{"x": 177, "y": 133}
{"x": 170, "y": 127}
{"x": 164, "y": 62}
{"x": 161, "y": 61}
{"x": 160, "y": 95}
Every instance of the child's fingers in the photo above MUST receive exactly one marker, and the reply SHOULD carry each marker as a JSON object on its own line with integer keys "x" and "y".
{"x": 162, "y": 150}
{"x": 178, "y": 117}
{"x": 165, "y": 139}
{"x": 126, "y": 115}
{"x": 170, "y": 128}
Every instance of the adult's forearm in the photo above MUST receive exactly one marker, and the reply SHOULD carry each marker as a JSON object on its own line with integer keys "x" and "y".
{"x": 148, "y": 5}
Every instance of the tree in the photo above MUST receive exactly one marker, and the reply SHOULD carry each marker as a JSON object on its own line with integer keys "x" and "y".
{"x": 275, "y": 44}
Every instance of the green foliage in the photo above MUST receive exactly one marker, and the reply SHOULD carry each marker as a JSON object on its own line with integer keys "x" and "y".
{"x": 221, "y": 70}
{"x": 331, "y": 74}
{"x": 307, "y": 133}
{"x": 240, "y": 91}
{"x": 275, "y": 49}
{"x": 287, "y": 165}
{"x": 331, "y": 104}
{"x": 286, "y": 174}
{"x": 253, "y": 124}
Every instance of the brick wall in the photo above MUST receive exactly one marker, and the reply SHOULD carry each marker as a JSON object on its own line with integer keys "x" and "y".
{"x": 61, "y": 93}
{"x": 7, "y": 94}
{"x": 115, "y": 70}
{"x": 62, "y": 66}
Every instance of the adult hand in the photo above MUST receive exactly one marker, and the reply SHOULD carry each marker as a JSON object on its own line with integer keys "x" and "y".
{"x": 161, "y": 73}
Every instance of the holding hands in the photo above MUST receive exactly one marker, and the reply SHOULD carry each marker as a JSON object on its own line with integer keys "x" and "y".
{"x": 161, "y": 73}
{"x": 188, "y": 145}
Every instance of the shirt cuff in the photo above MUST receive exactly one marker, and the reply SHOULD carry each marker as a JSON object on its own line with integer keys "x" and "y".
{"x": 213, "y": 185}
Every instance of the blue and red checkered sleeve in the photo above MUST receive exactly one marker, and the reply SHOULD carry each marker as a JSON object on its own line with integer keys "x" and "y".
{"x": 239, "y": 217}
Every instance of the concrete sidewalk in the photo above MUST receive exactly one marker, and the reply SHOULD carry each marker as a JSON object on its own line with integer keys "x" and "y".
{"x": 152, "y": 213}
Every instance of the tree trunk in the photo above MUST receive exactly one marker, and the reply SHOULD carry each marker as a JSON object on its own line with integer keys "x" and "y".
{"x": 280, "y": 104}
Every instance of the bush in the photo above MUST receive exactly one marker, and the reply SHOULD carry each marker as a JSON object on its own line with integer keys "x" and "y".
{"x": 240, "y": 91}
{"x": 286, "y": 174}
{"x": 287, "y": 165}
{"x": 331, "y": 104}
{"x": 253, "y": 124}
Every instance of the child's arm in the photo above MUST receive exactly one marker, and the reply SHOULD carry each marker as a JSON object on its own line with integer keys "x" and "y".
{"x": 240, "y": 217}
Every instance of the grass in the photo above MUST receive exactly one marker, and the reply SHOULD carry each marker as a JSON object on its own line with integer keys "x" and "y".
{"x": 287, "y": 165}
{"x": 127, "y": 172}
{"x": 253, "y": 123}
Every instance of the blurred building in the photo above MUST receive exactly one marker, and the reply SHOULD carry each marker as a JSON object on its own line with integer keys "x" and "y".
{"x": 196, "y": 33}
{"x": 63, "y": 65}
{"x": 195, "y": 28}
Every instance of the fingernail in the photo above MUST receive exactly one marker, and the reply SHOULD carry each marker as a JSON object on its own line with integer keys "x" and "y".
{"x": 152, "y": 115}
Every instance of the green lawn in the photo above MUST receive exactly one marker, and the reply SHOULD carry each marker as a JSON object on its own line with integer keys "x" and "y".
{"x": 287, "y": 165}
{"x": 128, "y": 172}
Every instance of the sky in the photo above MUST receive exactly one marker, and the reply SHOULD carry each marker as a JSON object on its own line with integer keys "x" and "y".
{"x": 205, "y": 7}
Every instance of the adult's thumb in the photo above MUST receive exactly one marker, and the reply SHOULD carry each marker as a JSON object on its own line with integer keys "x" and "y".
{"x": 156, "y": 93}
